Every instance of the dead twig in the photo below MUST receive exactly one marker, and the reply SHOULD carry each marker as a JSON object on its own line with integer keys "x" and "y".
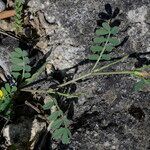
{"x": 33, "y": 107}
{"x": 7, "y": 13}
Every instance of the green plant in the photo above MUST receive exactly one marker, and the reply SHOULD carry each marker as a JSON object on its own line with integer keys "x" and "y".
{"x": 103, "y": 44}
{"x": 20, "y": 70}
{"x": 143, "y": 77}
{"x": 18, "y": 16}
{"x": 20, "y": 64}
{"x": 59, "y": 124}
{"x": 7, "y": 93}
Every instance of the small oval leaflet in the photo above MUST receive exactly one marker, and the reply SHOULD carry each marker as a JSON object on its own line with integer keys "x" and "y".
{"x": 102, "y": 31}
{"x": 106, "y": 26}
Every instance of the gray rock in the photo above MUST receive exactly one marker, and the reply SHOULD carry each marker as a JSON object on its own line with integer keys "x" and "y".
{"x": 6, "y": 47}
{"x": 110, "y": 115}
{"x": 24, "y": 134}
{"x": 2, "y": 6}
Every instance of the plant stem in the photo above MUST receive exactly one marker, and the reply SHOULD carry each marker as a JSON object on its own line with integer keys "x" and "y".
{"x": 89, "y": 74}
{"x": 113, "y": 73}
{"x": 100, "y": 56}
{"x": 94, "y": 74}
{"x": 51, "y": 91}
{"x": 38, "y": 91}
{"x": 113, "y": 63}
{"x": 74, "y": 80}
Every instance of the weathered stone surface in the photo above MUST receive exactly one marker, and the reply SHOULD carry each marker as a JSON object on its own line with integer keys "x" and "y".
{"x": 111, "y": 116}
{"x": 23, "y": 134}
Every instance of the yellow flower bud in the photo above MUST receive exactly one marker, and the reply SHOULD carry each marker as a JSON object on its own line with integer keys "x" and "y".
{"x": 1, "y": 95}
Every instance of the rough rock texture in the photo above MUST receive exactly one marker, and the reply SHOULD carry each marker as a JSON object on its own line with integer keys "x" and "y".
{"x": 2, "y": 6}
{"x": 23, "y": 134}
{"x": 111, "y": 116}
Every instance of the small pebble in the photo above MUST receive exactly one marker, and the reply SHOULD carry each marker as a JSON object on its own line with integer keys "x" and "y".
{"x": 2, "y": 6}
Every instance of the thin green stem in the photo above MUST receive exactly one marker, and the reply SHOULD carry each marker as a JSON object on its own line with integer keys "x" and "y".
{"x": 51, "y": 91}
{"x": 111, "y": 64}
{"x": 74, "y": 80}
{"x": 23, "y": 71}
{"x": 94, "y": 74}
{"x": 38, "y": 91}
{"x": 113, "y": 73}
{"x": 100, "y": 56}
{"x": 89, "y": 74}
